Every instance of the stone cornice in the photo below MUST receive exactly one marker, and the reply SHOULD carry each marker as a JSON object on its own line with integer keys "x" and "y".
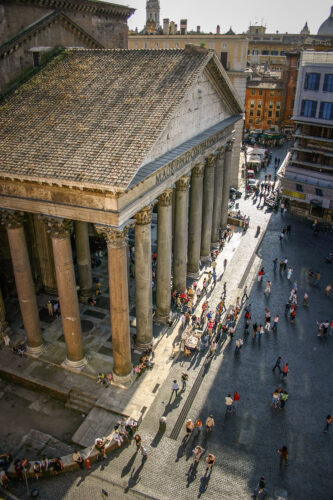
{"x": 12, "y": 219}
{"x": 198, "y": 170}
{"x": 144, "y": 216}
{"x": 210, "y": 161}
{"x": 57, "y": 227}
{"x": 165, "y": 199}
{"x": 85, "y": 6}
{"x": 229, "y": 146}
{"x": 114, "y": 237}
{"x": 220, "y": 153}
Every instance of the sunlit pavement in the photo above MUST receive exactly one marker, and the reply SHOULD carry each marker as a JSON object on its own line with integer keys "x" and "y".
{"x": 245, "y": 444}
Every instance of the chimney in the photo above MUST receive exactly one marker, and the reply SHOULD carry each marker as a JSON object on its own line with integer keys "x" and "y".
{"x": 198, "y": 29}
{"x": 166, "y": 26}
{"x": 183, "y": 26}
{"x": 172, "y": 28}
{"x": 218, "y": 29}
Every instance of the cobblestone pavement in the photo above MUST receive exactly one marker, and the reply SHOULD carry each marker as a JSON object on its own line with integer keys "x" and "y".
{"x": 245, "y": 444}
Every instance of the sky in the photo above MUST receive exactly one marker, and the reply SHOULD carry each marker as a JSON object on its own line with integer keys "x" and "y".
{"x": 282, "y": 15}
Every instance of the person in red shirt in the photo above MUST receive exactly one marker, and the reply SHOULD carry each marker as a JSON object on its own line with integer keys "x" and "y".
{"x": 236, "y": 398}
{"x": 285, "y": 370}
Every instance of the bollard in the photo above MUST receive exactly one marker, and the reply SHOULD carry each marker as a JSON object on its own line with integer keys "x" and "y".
{"x": 163, "y": 422}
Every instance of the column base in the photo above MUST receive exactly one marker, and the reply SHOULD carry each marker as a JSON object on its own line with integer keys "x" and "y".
{"x": 50, "y": 291}
{"x": 123, "y": 381}
{"x": 214, "y": 244}
{"x": 75, "y": 365}
{"x": 194, "y": 276}
{"x": 142, "y": 347}
{"x": 161, "y": 319}
{"x": 36, "y": 351}
{"x": 84, "y": 298}
{"x": 204, "y": 258}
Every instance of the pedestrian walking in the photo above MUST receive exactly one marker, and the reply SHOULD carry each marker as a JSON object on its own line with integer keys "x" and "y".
{"x": 268, "y": 288}
{"x": 197, "y": 427}
{"x": 198, "y": 452}
{"x": 267, "y": 315}
{"x": 189, "y": 426}
{"x": 246, "y": 327}
{"x": 283, "y": 452}
{"x": 210, "y": 424}
{"x": 261, "y": 331}
{"x": 212, "y": 349}
{"x": 254, "y": 330}
{"x": 275, "y": 261}
{"x": 329, "y": 419}
{"x": 238, "y": 345}
{"x": 285, "y": 262}
{"x": 245, "y": 295}
{"x": 306, "y": 299}
{"x": 210, "y": 461}
{"x": 317, "y": 278}
{"x": 328, "y": 289}
{"x": 260, "y": 491}
{"x": 285, "y": 371}
{"x": 267, "y": 326}
{"x": 275, "y": 403}
{"x": 281, "y": 236}
{"x": 277, "y": 365}
{"x": 137, "y": 441}
{"x": 236, "y": 398}
{"x": 275, "y": 323}
{"x": 288, "y": 229}
{"x": 144, "y": 454}
{"x": 184, "y": 380}
{"x": 292, "y": 313}
{"x": 310, "y": 275}
{"x": 229, "y": 403}
{"x": 284, "y": 398}
{"x": 175, "y": 389}
{"x": 289, "y": 273}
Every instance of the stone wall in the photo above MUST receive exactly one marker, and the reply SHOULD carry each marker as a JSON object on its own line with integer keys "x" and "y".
{"x": 239, "y": 82}
{"x": 201, "y": 108}
{"x": 15, "y": 17}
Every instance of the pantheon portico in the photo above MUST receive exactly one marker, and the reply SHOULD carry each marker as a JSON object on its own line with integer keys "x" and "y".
{"x": 99, "y": 137}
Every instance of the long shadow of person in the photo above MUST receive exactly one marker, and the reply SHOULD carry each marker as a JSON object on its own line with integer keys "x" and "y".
{"x": 134, "y": 478}
{"x": 204, "y": 481}
{"x": 191, "y": 473}
{"x": 157, "y": 439}
{"x": 172, "y": 406}
{"x": 129, "y": 464}
{"x": 181, "y": 451}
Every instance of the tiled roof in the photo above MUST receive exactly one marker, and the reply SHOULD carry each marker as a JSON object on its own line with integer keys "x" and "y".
{"x": 91, "y": 116}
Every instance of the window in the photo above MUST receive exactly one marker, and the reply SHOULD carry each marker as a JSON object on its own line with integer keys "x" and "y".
{"x": 156, "y": 45}
{"x": 224, "y": 45}
{"x": 326, "y": 110}
{"x": 260, "y": 92}
{"x": 251, "y": 112}
{"x": 274, "y": 52}
{"x": 257, "y": 121}
{"x": 265, "y": 52}
{"x": 319, "y": 192}
{"x": 255, "y": 52}
{"x": 272, "y": 92}
{"x": 224, "y": 59}
{"x": 277, "y": 114}
{"x": 146, "y": 45}
{"x": 251, "y": 104}
{"x": 176, "y": 45}
{"x": 279, "y": 92}
{"x": 270, "y": 104}
{"x": 278, "y": 104}
{"x": 250, "y": 120}
{"x": 308, "y": 108}
{"x": 282, "y": 52}
{"x": 259, "y": 103}
{"x": 258, "y": 112}
{"x": 253, "y": 92}
{"x": 328, "y": 83}
{"x": 270, "y": 113}
{"x": 299, "y": 188}
{"x": 269, "y": 122}
{"x": 311, "y": 81}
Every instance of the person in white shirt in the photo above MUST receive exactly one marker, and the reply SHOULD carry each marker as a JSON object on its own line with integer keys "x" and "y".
{"x": 229, "y": 403}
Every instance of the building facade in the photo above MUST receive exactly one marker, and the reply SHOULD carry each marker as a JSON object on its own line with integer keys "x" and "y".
{"x": 160, "y": 136}
{"x": 307, "y": 174}
{"x": 263, "y": 104}
{"x": 31, "y": 29}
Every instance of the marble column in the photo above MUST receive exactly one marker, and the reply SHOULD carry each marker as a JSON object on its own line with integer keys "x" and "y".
{"x": 164, "y": 256}
{"x": 117, "y": 244}
{"x": 24, "y": 282}
{"x": 226, "y": 184}
{"x": 207, "y": 207}
{"x": 143, "y": 278}
{"x": 45, "y": 257}
{"x": 60, "y": 231}
{"x": 218, "y": 188}
{"x": 83, "y": 258}
{"x": 195, "y": 221}
{"x": 3, "y": 322}
{"x": 180, "y": 236}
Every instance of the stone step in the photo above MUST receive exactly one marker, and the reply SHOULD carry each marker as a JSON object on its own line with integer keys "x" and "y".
{"x": 86, "y": 395}
{"x": 99, "y": 423}
{"x": 80, "y": 408}
{"x": 77, "y": 398}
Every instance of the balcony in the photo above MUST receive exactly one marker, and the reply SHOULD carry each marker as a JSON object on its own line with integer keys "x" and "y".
{"x": 310, "y": 164}
{"x": 303, "y": 149}
{"x": 301, "y": 135}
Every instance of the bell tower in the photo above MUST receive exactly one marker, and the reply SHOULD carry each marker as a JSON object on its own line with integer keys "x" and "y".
{"x": 153, "y": 12}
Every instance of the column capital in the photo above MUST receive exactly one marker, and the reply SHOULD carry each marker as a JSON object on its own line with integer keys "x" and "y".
{"x": 12, "y": 219}
{"x": 114, "y": 237}
{"x": 198, "y": 170}
{"x": 165, "y": 199}
{"x": 229, "y": 145}
{"x": 220, "y": 153}
{"x": 144, "y": 216}
{"x": 210, "y": 161}
{"x": 183, "y": 183}
{"x": 57, "y": 226}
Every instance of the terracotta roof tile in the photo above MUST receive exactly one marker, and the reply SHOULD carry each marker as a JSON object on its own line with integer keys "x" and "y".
{"x": 93, "y": 115}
